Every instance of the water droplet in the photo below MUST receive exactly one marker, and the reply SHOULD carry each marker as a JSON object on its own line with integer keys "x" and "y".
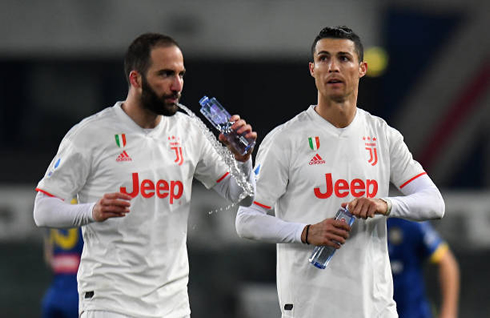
{"x": 227, "y": 156}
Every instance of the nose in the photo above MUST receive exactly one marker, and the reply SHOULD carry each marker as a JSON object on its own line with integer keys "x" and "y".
{"x": 177, "y": 84}
{"x": 333, "y": 65}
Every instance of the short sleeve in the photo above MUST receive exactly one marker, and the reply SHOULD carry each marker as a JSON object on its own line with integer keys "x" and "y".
{"x": 403, "y": 167}
{"x": 210, "y": 168}
{"x": 271, "y": 169}
{"x": 431, "y": 240}
{"x": 68, "y": 171}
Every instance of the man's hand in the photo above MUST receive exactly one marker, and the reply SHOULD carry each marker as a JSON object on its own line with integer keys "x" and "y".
{"x": 111, "y": 205}
{"x": 240, "y": 126}
{"x": 364, "y": 208}
{"x": 329, "y": 232}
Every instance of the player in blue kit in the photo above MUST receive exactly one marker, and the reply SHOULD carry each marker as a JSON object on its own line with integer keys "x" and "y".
{"x": 410, "y": 246}
{"x": 63, "y": 248}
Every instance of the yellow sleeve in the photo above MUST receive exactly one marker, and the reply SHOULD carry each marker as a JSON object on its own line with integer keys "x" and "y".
{"x": 439, "y": 253}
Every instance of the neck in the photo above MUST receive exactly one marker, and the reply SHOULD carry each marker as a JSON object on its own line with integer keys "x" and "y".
{"x": 141, "y": 116}
{"x": 339, "y": 113}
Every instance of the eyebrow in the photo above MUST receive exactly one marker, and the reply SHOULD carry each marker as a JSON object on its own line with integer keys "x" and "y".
{"x": 327, "y": 52}
{"x": 170, "y": 70}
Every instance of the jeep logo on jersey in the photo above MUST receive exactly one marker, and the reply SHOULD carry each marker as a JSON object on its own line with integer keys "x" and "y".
{"x": 370, "y": 144}
{"x": 342, "y": 188}
{"x": 175, "y": 146}
{"x": 161, "y": 188}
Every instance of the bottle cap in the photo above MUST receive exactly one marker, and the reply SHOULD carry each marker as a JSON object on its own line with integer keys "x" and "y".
{"x": 203, "y": 100}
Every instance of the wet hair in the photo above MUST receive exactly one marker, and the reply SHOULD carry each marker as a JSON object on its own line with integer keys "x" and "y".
{"x": 138, "y": 55}
{"x": 340, "y": 32}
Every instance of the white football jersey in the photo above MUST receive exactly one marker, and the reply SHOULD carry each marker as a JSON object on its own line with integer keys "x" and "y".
{"x": 306, "y": 169}
{"x": 136, "y": 265}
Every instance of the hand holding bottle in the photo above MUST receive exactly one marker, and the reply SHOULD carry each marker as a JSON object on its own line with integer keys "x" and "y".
{"x": 329, "y": 235}
{"x": 235, "y": 132}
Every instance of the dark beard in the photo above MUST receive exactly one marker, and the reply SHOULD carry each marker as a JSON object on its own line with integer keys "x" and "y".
{"x": 158, "y": 105}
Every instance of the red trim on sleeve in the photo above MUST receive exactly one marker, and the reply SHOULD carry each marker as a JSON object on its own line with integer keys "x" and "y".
{"x": 222, "y": 177}
{"x": 420, "y": 174}
{"x": 47, "y": 193}
{"x": 262, "y": 205}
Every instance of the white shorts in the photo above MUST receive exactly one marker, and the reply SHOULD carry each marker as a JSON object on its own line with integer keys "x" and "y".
{"x": 106, "y": 314}
{"x": 102, "y": 314}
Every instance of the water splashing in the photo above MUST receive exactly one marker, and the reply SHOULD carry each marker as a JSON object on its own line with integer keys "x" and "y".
{"x": 228, "y": 158}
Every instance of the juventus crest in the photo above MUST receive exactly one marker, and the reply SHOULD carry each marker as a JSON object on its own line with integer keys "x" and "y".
{"x": 175, "y": 146}
{"x": 370, "y": 145}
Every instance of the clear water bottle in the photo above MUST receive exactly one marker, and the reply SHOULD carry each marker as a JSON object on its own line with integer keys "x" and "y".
{"x": 322, "y": 255}
{"x": 220, "y": 118}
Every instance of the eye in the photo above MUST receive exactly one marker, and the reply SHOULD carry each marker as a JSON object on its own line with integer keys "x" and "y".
{"x": 322, "y": 58}
{"x": 165, "y": 73}
{"x": 344, "y": 58}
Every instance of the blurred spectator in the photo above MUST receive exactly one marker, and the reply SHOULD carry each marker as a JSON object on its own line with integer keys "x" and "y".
{"x": 411, "y": 245}
{"x": 62, "y": 250}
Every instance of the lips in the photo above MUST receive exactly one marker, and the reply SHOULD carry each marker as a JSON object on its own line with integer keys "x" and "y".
{"x": 334, "y": 81}
{"x": 172, "y": 98}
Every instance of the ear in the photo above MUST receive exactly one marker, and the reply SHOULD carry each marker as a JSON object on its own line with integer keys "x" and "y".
{"x": 362, "y": 69}
{"x": 311, "y": 65}
{"x": 135, "y": 79}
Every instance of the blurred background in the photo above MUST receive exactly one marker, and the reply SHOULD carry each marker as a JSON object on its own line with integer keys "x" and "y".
{"x": 429, "y": 77}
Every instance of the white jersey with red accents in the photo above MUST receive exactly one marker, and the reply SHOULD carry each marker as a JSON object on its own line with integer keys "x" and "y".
{"x": 306, "y": 169}
{"x": 136, "y": 265}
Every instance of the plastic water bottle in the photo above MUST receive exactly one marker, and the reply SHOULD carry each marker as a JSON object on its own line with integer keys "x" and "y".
{"x": 322, "y": 255}
{"x": 220, "y": 118}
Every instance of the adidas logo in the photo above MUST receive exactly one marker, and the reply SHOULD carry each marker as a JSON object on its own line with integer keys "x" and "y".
{"x": 317, "y": 160}
{"x": 123, "y": 157}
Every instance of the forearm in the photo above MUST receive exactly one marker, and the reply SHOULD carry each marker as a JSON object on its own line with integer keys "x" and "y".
{"x": 54, "y": 212}
{"x": 449, "y": 286}
{"x": 229, "y": 188}
{"x": 254, "y": 223}
{"x": 421, "y": 201}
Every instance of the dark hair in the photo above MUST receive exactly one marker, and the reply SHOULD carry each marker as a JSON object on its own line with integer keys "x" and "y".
{"x": 138, "y": 53}
{"x": 340, "y": 32}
